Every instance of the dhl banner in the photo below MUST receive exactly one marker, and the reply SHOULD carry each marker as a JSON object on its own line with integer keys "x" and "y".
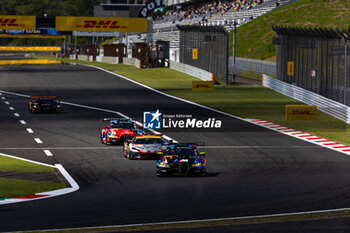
{"x": 16, "y": 22}
{"x": 301, "y": 112}
{"x": 101, "y": 24}
{"x": 33, "y": 36}
{"x": 28, "y": 62}
{"x": 202, "y": 85}
{"x": 17, "y": 48}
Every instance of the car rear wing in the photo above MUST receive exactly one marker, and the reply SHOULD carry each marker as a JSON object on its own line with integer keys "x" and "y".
{"x": 149, "y": 135}
{"x": 45, "y": 97}
{"x": 118, "y": 119}
{"x": 186, "y": 144}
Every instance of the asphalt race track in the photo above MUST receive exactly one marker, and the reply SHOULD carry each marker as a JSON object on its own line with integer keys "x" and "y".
{"x": 251, "y": 170}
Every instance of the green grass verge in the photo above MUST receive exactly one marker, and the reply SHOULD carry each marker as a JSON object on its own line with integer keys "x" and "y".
{"x": 257, "y": 102}
{"x": 159, "y": 78}
{"x": 15, "y": 165}
{"x": 254, "y": 39}
{"x": 20, "y": 187}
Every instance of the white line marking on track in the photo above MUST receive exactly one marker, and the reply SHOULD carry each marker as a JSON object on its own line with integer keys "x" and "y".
{"x": 11, "y": 108}
{"x": 23, "y": 122}
{"x": 252, "y": 147}
{"x": 71, "y": 181}
{"x": 74, "y": 186}
{"x": 27, "y": 160}
{"x": 7, "y": 103}
{"x": 29, "y": 130}
{"x": 98, "y": 109}
{"x": 16, "y": 114}
{"x": 120, "y": 147}
{"x": 38, "y": 140}
{"x": 48, "y": 152}
{"x": 119, "y": 113}
{"x": 62, "y": 148}
{"x": 187, "y": 222}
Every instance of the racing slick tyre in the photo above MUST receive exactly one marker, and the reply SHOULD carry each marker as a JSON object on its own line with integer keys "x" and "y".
{"x": 101, "y": 138}
{"x": 203, "y": 173}
{"x": 159, "y": 174}
{"x": 125, "y": 153}
{"x": 131, "y": 157}
{"x": 122, "y": 139}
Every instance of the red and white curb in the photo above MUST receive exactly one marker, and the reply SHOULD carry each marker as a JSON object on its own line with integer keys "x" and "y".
{"x": 74, "y": 186}
{"x": 302, "y": 135}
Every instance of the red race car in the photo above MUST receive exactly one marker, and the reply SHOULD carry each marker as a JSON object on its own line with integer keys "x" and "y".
{"x": 118, "y": 130}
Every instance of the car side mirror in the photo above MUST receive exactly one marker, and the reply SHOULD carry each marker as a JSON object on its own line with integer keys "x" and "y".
{"x": 202, "y": 154}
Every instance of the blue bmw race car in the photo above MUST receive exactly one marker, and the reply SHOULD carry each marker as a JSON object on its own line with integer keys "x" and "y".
{"x": 181, "y": 159}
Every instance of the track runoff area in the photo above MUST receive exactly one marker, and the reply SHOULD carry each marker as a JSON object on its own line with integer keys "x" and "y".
{"x": 253, "y": 174}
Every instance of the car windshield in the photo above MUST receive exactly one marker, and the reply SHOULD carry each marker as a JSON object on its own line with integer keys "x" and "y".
{"x": 123, "y": 125}
{"x": 148, "y": 141}
{"x": 183, "y": 153}
{"x": 45, "y": 101}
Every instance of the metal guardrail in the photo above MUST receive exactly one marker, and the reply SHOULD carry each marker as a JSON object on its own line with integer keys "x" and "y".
{"x": 82, "y": 57}
{"x": 328, "y": 106}
{"x": 132, "y": 62}
{"x": 191, "y": 70}
{"x": 253, "y": 65}
{"x": 107, "y": 59}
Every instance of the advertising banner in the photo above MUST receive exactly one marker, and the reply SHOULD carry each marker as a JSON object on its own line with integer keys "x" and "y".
{"x": 99, "y": 34}
{"x": 301, "y": 112}
{"x": 33, "y": 36}
{"x": 101, "y": 24}
{"x": 44, "y": 31}
{"x": 290, "y": 68}
{"x": 37, "y": 48}
{"x": 194, "y": 53}
{"x": 202, "y": 85}
{"x": 16, "y": 22}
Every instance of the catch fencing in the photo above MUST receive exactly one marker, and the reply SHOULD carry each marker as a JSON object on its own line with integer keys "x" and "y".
{"x": 315, "y": 59}
{"x": 328, "y": 106}
{"x": 246, "y": 65}
{"x": 205, "y": 47}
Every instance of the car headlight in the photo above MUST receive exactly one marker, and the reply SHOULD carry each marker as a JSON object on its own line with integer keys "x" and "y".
{"x": 162, "y": 164}
{"x": 197, "y": 165}
{"x": 137, "y": 148}
{"x": 58, "y": 106}
{"x": 35, "y": 106}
